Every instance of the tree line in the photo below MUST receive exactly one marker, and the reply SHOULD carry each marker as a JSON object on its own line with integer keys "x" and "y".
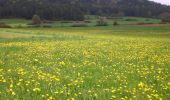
{"x": 47, "y": 9}
{"x": 76, "y": 9}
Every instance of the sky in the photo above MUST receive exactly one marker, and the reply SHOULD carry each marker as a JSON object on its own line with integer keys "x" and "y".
{"x": 166, "y": 2}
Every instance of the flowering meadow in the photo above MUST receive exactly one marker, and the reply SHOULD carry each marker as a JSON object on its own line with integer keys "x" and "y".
{"x": 84, "y": 64}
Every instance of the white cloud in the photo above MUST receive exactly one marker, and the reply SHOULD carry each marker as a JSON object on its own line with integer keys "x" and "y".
{"x": 166, "y": 2}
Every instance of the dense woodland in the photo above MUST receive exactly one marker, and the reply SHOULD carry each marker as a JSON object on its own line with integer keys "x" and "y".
{"x": 76, "y": 9}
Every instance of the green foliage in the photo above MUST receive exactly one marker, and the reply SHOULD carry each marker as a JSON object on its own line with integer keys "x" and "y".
{"x": 115, "y": 23}
{"x": 130, "y": 19}
{"x": 76, "y": 9}
{"x": 48, "y": 9}
{"x": 91, "y": 21}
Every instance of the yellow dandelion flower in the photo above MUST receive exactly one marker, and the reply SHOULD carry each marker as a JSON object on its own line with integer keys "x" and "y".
{"x": 36, "y": 89}
{"x": 4, "y": 81}
{"x": 13, "y": 93}
{"x": 141, "y": 84}
{"x": 62, "y": 63}
{"x": 11, "y": 86}
{"x": 50, "y": 98}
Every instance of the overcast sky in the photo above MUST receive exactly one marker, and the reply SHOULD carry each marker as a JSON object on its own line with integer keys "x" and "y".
{"x": 166, "y": 2}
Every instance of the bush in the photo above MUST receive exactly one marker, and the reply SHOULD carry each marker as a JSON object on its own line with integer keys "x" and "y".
{"x": 3, "y": 25}
{"x": 115, "y": 23}
{"x": 150, "y": 23}
{"x": 130, "y": 19}
{"x": 141, "y": 23}
{"x": 36, "y": 20}
{"x": 102, "y": 21}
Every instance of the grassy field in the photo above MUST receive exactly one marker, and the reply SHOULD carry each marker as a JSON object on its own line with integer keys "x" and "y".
{"x": 18, "y": 23}
{"x": 85, "y": 63}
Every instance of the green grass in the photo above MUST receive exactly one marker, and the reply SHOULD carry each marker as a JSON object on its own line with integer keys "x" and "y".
{"x": 15, "y": 22}
{"x": 85, "y": 63}
{"x": 92, "y": 19}
{"x": 126, "y": 20}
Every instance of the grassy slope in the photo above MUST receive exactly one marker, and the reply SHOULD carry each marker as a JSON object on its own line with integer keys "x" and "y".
{"x": 85, "y": 63}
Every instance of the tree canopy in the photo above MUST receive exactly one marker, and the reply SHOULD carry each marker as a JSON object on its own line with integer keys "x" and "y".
{"x": 76, "y": 9}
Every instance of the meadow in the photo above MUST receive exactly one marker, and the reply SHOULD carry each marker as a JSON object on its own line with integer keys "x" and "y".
{"x": 85, "y": 63}
{"x": 91, "y": 21}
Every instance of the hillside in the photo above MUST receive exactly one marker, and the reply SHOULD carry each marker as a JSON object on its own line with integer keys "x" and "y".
{"x": 76, "y": 9}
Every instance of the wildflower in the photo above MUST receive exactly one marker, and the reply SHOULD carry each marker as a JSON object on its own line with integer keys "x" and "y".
{"x": 18, "y": 83}
{"x": 13, "y": 93}
{"x": 113, "y": 97}
{"x": 56, "y": 92}
{"x": 36, "y": 89}
{"x": 89, "y": 91}
{"x": 50, "y": 98}
{"x": 141, "y": 85}
{"x": 20, "y": 80}
{"x": 168, "y": 83}
{"x": 62, "y": 63}
{"x": 36, "y": 60}
{"x": 11, "y": 86}
{"x": 4, "y": 80}
{"x": 113, "y": 91}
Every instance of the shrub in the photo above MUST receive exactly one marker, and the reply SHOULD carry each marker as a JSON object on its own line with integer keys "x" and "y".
{"x": 141, "y": 23}
{"x": 115, "y": 23}
{"x": 36, "y": 20}
{"x": 3, "y": 25}
{"x": 130, "y": 19}
{"x": 150, "y": 23}
{"x": 102, "y": 21}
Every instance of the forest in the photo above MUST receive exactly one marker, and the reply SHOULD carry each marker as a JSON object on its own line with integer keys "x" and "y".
{"x": 76, "y": 9}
